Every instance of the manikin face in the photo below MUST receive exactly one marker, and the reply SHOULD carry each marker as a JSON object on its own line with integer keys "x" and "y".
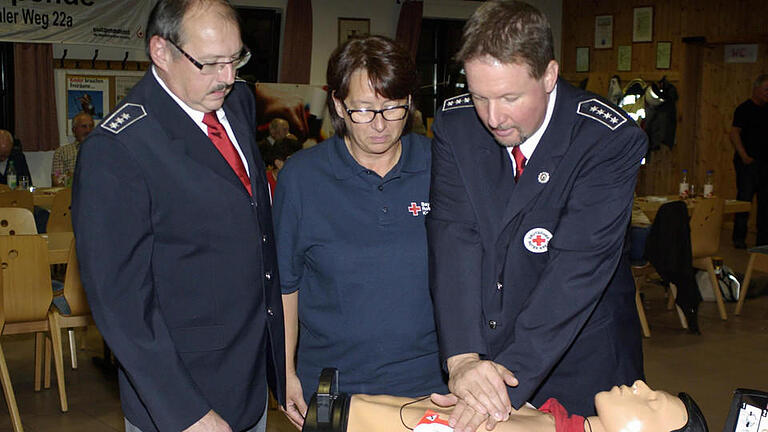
{"x": 639, "y": 409}
{"x": 510, "y": 103}
{"x": 208, "y": 38}
{"x": 379, "y": 137}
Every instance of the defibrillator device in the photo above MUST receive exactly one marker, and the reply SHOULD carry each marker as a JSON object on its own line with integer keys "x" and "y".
{"x": 328, "y": 409}
{"x": 749, "y": 411}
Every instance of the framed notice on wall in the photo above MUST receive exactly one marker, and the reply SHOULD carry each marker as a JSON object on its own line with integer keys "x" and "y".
{"x": 353, "y": 27}
{"x": 582, "y": 59}
{"x": 642, "y": 24}
{"x": 603, "y": 31}
{"x": 624, "y": 61}
{"x": 663, "y": 55}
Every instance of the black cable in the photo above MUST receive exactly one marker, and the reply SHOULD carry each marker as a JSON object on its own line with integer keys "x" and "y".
{"x": 402, "y": 407}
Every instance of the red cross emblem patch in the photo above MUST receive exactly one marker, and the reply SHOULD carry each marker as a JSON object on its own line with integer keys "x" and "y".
{"x": 537, "y": 240}
{"x": 414, "y": 209}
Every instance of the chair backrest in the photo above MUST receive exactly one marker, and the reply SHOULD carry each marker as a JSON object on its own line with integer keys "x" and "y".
{"x": 26, "y": 282}
{"x": 706, "y": 225}
{"x": 17, "y": 198}
{"x": 60, "y": 219}
{"x": 73, "y": 287}
{"x": 16, "y": 220}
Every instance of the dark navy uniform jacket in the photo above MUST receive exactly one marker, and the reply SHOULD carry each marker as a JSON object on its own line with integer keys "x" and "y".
{"x": 178, "y": 262}
{"x": 532, "y": 275}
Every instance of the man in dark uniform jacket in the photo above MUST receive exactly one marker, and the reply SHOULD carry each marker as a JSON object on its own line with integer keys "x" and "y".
{"x": 174, "y": 233}
{"x": 532, "y": 185}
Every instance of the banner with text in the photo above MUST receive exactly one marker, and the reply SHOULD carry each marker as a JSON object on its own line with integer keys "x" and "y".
{"x": 93, "y": 22}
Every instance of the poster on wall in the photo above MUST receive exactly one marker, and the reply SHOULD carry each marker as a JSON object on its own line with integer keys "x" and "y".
{"x": 89, "y": 94}
{"x": 104, "y": 22}
{"x": 123, "y": 85}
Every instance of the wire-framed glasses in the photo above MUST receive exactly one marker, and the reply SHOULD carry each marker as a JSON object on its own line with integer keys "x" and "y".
{"x": 216, "y": 67}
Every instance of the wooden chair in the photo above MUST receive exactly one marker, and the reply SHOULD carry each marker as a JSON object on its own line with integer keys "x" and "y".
{"x": 26, "y": 299}
{"x": 60, "y": 219}
{"x": 16, "y": 220}
{"x": 17, "y": 198}
{"x": 706, "y": 224}
{"x": 758, "y": 260}
{"x": 641, "y": 274}
{"x": 71, "y": 309}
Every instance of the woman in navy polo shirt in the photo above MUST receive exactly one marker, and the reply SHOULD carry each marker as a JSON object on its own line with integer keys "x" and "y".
{"x": 351, "y": 242}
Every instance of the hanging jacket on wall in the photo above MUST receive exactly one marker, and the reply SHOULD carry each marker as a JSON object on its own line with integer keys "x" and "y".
{"x": 661, "y": 114}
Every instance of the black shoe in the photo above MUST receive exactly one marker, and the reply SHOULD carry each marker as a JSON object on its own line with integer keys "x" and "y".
{"x": 740, "y": 244}
{"x": 692, "y": 316}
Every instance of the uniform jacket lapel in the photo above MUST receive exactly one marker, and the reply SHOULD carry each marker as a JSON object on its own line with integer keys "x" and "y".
{"x": 246, "y": 140}
{"x": 545, "y": 159}
{"x": 187, "y": 136}
{"x": 497, "y": 179}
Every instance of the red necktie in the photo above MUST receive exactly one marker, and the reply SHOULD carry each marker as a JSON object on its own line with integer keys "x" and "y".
{"x": 519, "y": 161}
{"x": 218, "y": 135}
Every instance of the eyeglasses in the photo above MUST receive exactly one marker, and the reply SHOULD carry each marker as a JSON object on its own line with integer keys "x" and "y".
{"x": 360, "y": 116}
{"x": 216, "y": 67}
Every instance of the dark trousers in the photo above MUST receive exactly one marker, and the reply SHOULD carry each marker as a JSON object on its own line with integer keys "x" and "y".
{"x": 750, "y": 180}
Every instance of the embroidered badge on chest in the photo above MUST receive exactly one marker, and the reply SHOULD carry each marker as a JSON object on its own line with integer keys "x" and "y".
{"x": 537, "y": 240}
{"x": 414, "y": 208}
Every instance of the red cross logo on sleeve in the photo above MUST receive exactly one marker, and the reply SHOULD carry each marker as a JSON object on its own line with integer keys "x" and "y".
{"x": 414, "y": 209}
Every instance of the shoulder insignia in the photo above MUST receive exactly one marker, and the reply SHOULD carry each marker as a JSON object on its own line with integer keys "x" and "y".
{"x": 123, "y": 117}
{"x": 602, "y": 112}
{"x": 460, "y": 101}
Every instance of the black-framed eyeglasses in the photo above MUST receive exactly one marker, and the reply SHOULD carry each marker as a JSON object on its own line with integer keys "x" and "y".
{"x": 365, "y": 115}
{"x": 216, "y": 67}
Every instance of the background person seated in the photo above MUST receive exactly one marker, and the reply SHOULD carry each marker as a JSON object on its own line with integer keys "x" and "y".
{"x": 65, "y": 157}
{"x": 8, "y": 154}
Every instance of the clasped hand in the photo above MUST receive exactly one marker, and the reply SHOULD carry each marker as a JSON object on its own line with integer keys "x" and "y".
{"x": 478, "y": 392}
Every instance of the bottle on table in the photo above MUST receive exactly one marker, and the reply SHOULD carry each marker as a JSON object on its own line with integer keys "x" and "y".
{"x": 10, "y": 175}
{"x": 684, "y": 185}
{"x": 709, "y": 186}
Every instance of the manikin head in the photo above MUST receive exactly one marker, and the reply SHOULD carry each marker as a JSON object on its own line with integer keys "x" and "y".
{"x": 641, "y": 409}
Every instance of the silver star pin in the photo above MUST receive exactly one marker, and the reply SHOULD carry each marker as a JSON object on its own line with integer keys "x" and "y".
{"x": 125, "y": 116}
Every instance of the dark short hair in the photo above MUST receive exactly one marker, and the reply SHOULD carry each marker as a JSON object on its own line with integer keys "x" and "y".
{"x": 510, "y": 32}
{"x": 166, "y": 18}
{"x": 390, "y": 69}
{"x": 696, "y": 421}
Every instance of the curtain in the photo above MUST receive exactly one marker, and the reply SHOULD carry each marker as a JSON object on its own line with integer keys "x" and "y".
{"x": 297, "y": 45}
{"x": 409, "y": 26}
{"x": 34, "y": 99}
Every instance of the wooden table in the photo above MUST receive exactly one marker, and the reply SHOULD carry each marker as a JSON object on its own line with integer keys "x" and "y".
{"x": 650, "y": 204}
{"x": 43, "y": 197}
{"x": 58, "y": 246}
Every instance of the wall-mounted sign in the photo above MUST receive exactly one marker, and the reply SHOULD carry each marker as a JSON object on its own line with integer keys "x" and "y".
{"x": 93, "y": 22}
{"x": 741, "y": 53}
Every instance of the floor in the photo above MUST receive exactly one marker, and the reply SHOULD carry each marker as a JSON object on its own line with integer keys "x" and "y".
{"x": 727, "y": 355}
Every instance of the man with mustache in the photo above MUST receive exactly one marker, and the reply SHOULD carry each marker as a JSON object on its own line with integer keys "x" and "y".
{"x": 532, "y": 185}
{"x": 174, "y": 233}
